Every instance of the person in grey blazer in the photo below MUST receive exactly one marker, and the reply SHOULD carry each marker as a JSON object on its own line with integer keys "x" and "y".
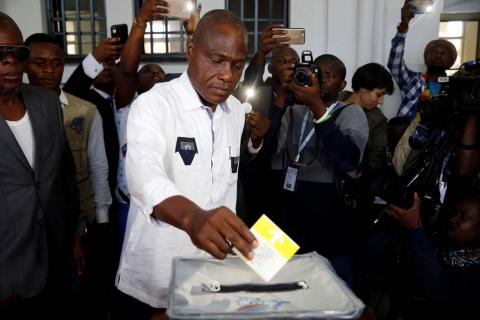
{"x": 38, "y": 195}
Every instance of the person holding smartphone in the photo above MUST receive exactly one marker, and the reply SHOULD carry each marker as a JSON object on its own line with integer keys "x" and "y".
{"x": 439, "y": 56}
{"x": 416, "y": 87}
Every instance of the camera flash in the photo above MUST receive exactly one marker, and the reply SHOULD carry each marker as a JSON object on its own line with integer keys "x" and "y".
{"x": 189, "y": 6}
{"x": 428, "y": 9}
{"x": 250, "y": 93}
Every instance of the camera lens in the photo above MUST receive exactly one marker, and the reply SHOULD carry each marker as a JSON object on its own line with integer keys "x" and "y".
{"x": 302, "y": 76}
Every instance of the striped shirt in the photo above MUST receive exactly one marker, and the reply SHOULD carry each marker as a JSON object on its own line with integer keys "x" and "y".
{"x": 411, "y": 83}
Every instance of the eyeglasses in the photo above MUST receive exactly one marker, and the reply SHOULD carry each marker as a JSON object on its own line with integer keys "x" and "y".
{"x": 21, "y": 53}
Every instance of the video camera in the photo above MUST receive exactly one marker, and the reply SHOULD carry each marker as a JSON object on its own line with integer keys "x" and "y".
{"x": 459, "y": 92}
{"x": 303, "y": 71}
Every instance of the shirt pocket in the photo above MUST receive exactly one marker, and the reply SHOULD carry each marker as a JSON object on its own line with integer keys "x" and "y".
{"x": 234, "y": 158}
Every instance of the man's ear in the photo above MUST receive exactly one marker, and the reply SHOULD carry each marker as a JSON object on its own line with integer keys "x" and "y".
{"x": 190, "y": 49}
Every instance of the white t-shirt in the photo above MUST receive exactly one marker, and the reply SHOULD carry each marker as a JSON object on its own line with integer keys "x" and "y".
{"x": 23, "y": 132}
{"x": 176, "y": 146}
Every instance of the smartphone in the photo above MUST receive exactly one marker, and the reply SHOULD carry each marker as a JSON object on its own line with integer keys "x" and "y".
{"x": 423, "y": 6}
{"x": 120, "y": 31}
{"x": 181, "y": 9}
{"x": 297, "y": 35}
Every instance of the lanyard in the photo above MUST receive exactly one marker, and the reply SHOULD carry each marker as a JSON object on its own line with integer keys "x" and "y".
{"x": 301, "y": 145}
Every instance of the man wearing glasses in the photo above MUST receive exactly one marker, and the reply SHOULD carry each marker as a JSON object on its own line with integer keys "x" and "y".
{"x": 38, "y": 195}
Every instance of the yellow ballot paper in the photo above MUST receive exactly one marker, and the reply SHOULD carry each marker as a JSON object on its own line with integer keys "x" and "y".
{"x": 274, "y": 249}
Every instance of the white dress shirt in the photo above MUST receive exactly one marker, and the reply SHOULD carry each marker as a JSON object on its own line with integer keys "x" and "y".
{"x": 98, "y": 165}
{"x": 162, "y": 124}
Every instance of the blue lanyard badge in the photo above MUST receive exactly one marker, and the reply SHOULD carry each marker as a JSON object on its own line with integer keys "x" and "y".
{"x": 302, "y": 144}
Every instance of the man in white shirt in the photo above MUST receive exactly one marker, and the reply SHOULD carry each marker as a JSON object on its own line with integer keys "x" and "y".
{"x": 184, "y": 144}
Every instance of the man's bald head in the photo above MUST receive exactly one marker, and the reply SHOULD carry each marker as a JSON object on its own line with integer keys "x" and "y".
{"x": 214, "y": 21}
{"x": 8, "y": 26}
{"x": 216, "y": 56}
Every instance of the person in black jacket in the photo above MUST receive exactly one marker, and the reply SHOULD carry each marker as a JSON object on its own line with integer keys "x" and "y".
{"x": 448, "y": 277}
{"x": 38, "y": 194}
{"x": 94, "y": 80}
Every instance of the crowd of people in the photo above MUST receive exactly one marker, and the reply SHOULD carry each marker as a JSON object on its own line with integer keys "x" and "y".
{"x": 106, "y": 179}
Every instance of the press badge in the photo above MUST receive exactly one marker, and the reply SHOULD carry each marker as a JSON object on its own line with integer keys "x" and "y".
{"x": 187, "y": 149}
{"x": 291, "y": 177}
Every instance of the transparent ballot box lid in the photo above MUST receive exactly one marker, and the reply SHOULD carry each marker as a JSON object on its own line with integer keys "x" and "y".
{"x": 305, "y": 288}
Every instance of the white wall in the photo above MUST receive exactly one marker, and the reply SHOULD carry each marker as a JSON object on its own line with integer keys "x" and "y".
{"x": 357, "y": 31}
{"x": 30, "y": 15}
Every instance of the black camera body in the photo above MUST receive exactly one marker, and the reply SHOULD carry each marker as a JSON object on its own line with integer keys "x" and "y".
{"x": 459, "y": 92}
{"x": 303, "y": 71}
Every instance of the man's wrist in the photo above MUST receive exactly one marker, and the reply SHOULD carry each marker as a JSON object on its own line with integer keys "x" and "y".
{"x": 318, "y": 109}
{"x": 140, "y": 23}
{"x": 402, "y": 27}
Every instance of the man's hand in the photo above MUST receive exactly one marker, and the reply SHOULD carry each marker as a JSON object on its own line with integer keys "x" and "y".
{"x": 407, "y": 14}
{"x": 267, "y": 40}
{"x": 259, "y": 124}
{"x": 215, "y": 230}
{"x": 310, "y": 96}
{"x": 152, "y": 9}
{"x": 107, "y": 49}
{"x": 283, "y": 91}
{"x": 191, "y": 24}
{"x": 410, "y": 218}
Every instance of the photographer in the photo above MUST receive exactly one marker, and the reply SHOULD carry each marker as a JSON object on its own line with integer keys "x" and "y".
{"x": 312, "y": 145}
{"x": 269, "y": 97}
{"x": 448, "y": 277}
{"x": 439, "y": 56}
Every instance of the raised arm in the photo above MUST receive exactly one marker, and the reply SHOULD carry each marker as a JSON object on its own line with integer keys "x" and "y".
{"x": 256, "y": 67}
{"x": 396, "y": 63}
{"x": 82, "y": 78}
{"x": 126, "y": 83}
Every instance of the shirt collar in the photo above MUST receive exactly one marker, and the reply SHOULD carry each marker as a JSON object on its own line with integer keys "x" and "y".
{"x": 63, "y": 98}
{"x": 191, "y": 99}
{"x": 102, "y": 93}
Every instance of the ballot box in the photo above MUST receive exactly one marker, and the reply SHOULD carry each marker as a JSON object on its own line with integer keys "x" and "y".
{"x": 305, "y": 288}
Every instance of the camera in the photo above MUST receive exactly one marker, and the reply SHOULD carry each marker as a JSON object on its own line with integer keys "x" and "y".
{"x": 459, "y": 92}
{"x": 303, "y": 71}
